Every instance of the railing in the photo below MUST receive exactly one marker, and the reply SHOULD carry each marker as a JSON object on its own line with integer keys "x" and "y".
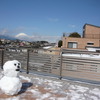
{"x": 54, "y": 63}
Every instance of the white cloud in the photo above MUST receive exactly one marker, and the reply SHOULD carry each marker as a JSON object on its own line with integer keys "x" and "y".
{"x": 72, "y": 26}
{"x": 24, "y": 36}
{"x": 4, "y": 31}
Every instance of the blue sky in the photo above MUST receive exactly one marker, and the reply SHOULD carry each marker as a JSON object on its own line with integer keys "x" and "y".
{"x": 46, "y": 19}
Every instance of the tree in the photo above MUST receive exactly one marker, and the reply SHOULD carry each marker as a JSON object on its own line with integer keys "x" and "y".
{"x": 75, "y": 34}
{"x": 60, "y": 43}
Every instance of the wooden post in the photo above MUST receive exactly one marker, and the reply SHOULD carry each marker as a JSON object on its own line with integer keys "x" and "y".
{"x": 2, "y": 58}
{"x": 27, "y": 70}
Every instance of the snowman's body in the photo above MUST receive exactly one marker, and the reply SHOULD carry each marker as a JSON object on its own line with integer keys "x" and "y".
{"x": 10, "y": 83}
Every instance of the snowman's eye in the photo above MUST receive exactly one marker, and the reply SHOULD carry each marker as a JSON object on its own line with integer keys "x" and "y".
{"x": 15, "y": 64}
{"x": 18, "y": 63}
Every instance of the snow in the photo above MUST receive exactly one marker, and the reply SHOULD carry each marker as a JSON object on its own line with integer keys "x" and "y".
{"x": 12, "y": 98}
{"x": 95, "y": 91}
{"x": 25, "y": 78}
{"x": 47, "y": 47}
{"x": 92, "y": 49}
{"x": 39, "y": 95}
{"x": 82, "y": 55}
{"x": 10, "y": 83}
{"x": 10, "y": 67}
{"x": 45, "y": 88}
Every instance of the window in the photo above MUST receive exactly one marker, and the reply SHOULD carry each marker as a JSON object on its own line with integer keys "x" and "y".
{"x": 72, "y": 44}
{"x": 90, "y": 43}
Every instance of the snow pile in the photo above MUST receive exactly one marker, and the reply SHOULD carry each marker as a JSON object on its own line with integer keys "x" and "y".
{"x": 82, "y": 55}
{"x": 45, "y": 88}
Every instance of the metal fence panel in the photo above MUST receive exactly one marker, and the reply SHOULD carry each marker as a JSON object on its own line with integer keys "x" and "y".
{"x": 44, "y": 63}
{"x": 64, "y": 66}
{"x": 83, "y": 68}
{"x": 20, "y": 56}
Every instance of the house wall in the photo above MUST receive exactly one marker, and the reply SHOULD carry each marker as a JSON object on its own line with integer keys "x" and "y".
{"x": 81, "y": 42}
{"x": 91, "y": 31}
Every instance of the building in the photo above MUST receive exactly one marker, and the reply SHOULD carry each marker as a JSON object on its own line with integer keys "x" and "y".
{"x": 90, "y": 39}
{"x": 91, "y": 31}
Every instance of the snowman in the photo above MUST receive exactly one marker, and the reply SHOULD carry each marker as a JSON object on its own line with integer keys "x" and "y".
{"x": 10, "y": 83}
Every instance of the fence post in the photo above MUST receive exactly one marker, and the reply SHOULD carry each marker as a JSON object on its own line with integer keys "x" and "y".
{"x": 2, "y": 58}
{"x": 27, "y": 69}
{"x": 61, "y": 66}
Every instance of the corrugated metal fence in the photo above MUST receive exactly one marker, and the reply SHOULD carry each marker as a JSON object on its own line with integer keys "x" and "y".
{"x": 64, "y": 66}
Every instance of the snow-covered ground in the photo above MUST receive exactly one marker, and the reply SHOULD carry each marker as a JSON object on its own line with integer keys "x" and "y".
{"x": 37, "y": 87}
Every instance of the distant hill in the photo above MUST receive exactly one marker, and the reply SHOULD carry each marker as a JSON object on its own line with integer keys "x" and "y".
{"x": 7, "y": 37}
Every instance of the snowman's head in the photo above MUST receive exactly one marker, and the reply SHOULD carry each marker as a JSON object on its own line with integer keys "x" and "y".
{"x": 12, "y": 68}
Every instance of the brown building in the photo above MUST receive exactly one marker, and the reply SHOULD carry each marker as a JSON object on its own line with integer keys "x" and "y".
{"x": 91, "y": 31}
{"x": 91, "y": 38}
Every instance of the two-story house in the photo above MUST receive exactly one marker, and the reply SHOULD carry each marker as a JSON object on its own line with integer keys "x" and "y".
{"x": 90, "y": 39}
